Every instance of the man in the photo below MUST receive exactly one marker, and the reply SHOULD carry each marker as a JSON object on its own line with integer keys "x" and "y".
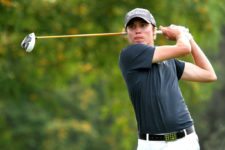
{"x": 151, "y": 74}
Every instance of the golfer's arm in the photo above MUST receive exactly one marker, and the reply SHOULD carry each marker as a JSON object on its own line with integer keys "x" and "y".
{"x": 202, "y": 70}
{"x": 166, "y": 52}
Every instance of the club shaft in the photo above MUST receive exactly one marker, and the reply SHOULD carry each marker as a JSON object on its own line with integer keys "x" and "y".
{"x": 86, "y": 35}
{"x": 81, "y": 35}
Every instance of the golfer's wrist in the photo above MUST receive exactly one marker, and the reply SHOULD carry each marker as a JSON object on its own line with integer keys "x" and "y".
{"x": 182, "y": 36}
{"x": 189, "y": 36}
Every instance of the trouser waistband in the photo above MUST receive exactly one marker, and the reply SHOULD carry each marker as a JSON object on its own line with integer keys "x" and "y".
{"x": 168, "y": 136}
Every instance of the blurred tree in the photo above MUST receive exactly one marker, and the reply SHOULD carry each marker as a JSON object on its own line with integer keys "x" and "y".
{"x": 69, "y": 93}
{"x": 214, "y": 116}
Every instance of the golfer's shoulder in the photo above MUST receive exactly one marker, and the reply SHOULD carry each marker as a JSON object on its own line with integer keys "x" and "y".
{"x": 136, "y": 49}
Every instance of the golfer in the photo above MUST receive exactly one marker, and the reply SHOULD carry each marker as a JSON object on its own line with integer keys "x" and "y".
{"x": 152, "y": 73}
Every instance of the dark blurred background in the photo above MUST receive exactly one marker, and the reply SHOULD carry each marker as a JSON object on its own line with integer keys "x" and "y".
{"x": 68, "y": 94}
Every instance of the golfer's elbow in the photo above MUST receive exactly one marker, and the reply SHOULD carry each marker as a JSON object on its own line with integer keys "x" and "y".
{"x": 212, "y": 78}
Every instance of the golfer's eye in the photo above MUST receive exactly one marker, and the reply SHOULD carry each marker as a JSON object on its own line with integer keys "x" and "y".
{"x": 144, "y": 24}
{"x": 131, "y": 26}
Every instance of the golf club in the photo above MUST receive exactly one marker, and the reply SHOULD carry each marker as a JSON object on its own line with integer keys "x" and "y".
{"x": 28, "y": 42}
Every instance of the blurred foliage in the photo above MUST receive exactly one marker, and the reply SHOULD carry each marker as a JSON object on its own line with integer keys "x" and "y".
{"x": 69, "y": 93}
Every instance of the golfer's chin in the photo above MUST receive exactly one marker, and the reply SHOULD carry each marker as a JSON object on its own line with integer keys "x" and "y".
{"x": 139, "y": 42}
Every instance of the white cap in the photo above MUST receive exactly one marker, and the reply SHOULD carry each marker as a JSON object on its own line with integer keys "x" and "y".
{"x": 139, "y": 13}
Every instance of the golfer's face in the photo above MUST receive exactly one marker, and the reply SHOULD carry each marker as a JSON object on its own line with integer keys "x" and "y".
{"x": 140, "y": 32}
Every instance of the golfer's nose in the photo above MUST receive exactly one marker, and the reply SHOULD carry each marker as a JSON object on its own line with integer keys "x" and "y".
{"x": 137, "y": 29}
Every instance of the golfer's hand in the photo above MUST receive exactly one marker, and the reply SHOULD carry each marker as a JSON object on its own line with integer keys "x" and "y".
{"x": 173, "y": 32}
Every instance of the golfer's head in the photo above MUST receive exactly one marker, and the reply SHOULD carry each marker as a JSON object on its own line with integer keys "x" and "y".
{"x": 139, "y": 13}
{"x": 140, "y": 26}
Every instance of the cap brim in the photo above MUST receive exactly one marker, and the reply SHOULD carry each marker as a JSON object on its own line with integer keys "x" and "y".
{"x": 133, "y": 17}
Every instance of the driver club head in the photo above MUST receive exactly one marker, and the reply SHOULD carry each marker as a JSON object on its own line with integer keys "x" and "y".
{"x": 28, "y": 42}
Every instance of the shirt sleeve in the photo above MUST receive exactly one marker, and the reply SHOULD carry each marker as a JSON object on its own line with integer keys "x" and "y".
{"x": 179, "y": 67}
{"x": 138, "y": 56}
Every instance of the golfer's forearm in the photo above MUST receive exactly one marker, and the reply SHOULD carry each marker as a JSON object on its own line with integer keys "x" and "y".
{"x": 200, "y": 58}
{"x": 167, "y": 52}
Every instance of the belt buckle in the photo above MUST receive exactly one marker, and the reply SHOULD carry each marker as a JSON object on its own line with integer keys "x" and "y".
{"x": 170, "y": 137}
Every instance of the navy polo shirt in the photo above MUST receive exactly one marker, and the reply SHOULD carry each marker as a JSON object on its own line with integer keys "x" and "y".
{"x": 154, "y": 91}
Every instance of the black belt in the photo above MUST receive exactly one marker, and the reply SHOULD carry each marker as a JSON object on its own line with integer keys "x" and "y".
{"x": 168, "y": 136}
